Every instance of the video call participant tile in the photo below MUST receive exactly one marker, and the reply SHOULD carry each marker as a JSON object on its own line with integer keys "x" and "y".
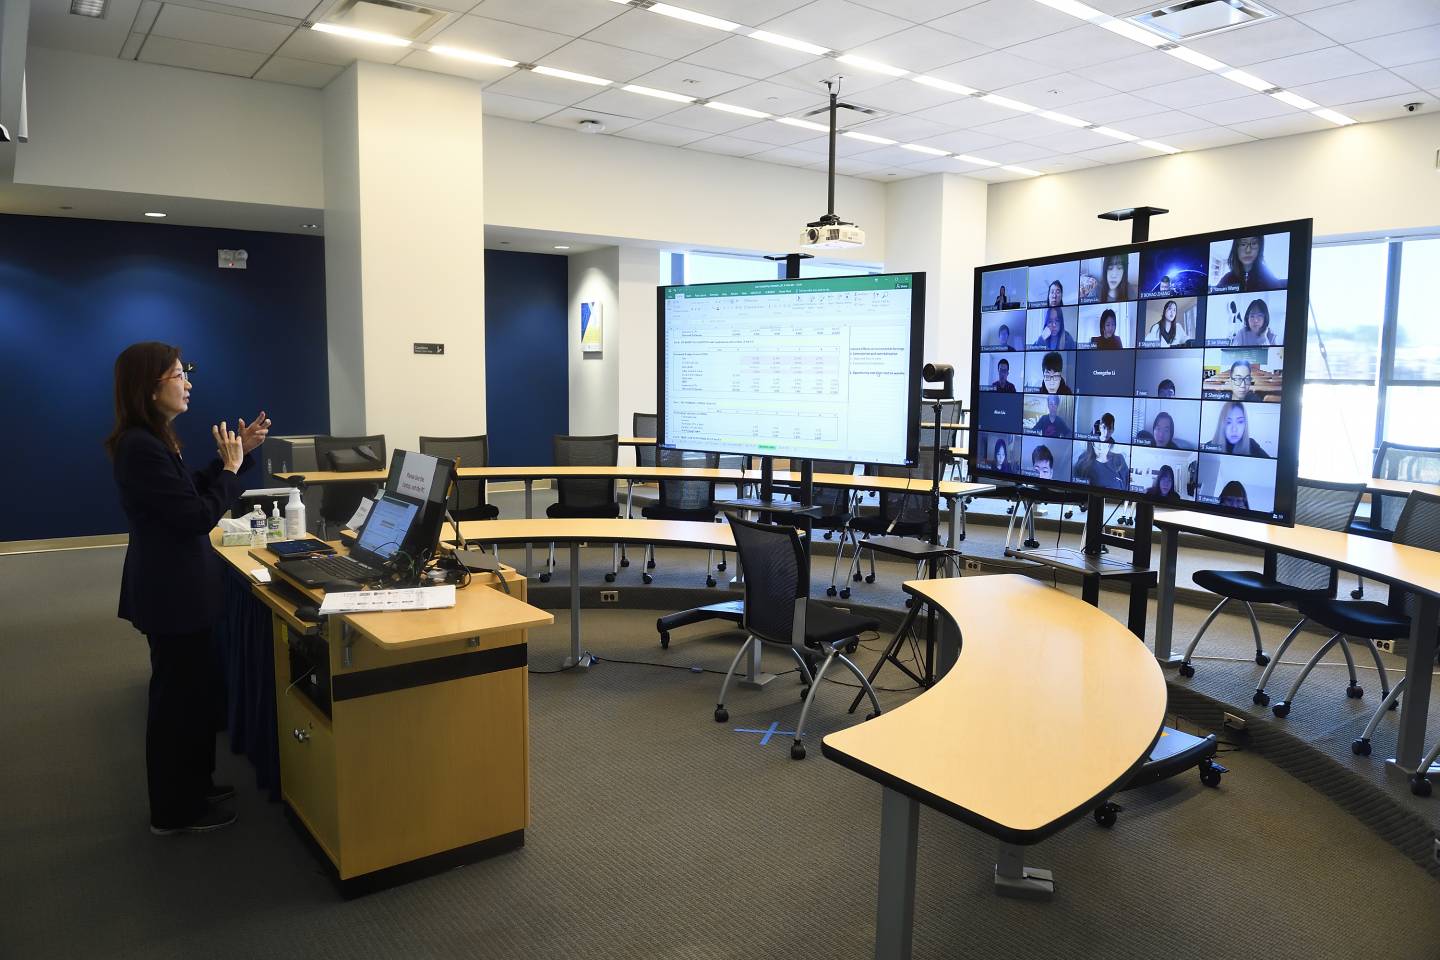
{"x": 1170, "y": 424}
{"x": 1105, "y": 372}
{"x": 1242, "y": 483}
{"x": 1248, "y": 374}
{"x": 1246, "y": 319}
{"x": 1104, "y": 417}
{"x": 1101, "y": 464}
{"x": 1110, "y": 279}
{"x": 1170, "y": 323}
{"x": 1106, "y": 326}
{"x": 1174, "y": 271}
{"x": 1001, "y": 372}
{"x": 1000, "y": 452}
{"x": 1169, "y": 373}
{"x": 1002, "y": 331}
{"x": 1047, "y": 458}
{"x": 1000, "y": 412}
{"x": 1051, "y": 328}
{"x": 1050, "y": 371}
{"x": 1167, "y": 475}
{"x": 1242, "y": 429}
{"x": 1002, "y": 289}
{"x": 1250, "y": 263}
{"x": 1048, "y": 415}
{"x": 1055, "y": 284}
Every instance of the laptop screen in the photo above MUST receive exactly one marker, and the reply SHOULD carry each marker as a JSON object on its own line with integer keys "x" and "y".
{"x": 387, "y": 526}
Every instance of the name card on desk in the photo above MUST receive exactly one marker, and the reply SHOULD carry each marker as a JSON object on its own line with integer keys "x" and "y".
{"x": 379, "y": 601}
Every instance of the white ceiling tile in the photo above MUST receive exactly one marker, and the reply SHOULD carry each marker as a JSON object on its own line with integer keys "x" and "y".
{"x": 786, "y": 155}
{"x": 1426, "y": 75}
{"x": 902, "y": 96}
{"x": 966, "y": 112}
{"x": 1398, "y": 49}
{"x": 1084, "y": 46}
{"x": 342, "y": 51}
{"x": 570, "y": 17}
{"x": 1062, "y": 163}
{"x": 1111, "y": 109}
{"x": 1288, "y": 125}
{"x": 748, "y": 12}
{"x": 1362, "y": 86}
{"x": 1025, "y": 126}
{"x": 962, "y": 141}
{"x": 941, "y": 165}
{"x": 1292, "y": 7}
{"x": 514, "y": 108}
{"x": 1021, "y": 153}
{"x": 302, "y": 73}
{"x": 1324, "y": 64}
{"x": 1266, "y": 40}
{"x": 891, "y": 157}
{"x": 1120, "y": 153}
{"x": 837, "y": 24}
{"x": 1134, "y": 73}
{"x": 812, "y": 75}
{"x": 898, "y": 173}
{"x": 991, "y": 71}
{"x": 52, "y": 25}
{"x": 203, "y": 26}
{"x": 652, "y": 33}
{"x": 602, "y": 60}
{"x": 1207, "y": 138}
{"x": 569, "y": 118}
{"x": 1157, "y": 126}
{"x": 749, "y": 57}
{"x": 919, "y": 49}
{"x": 1071, "y": 141}
{"x": 996, "y": 175}
{"x": 200, "y": 56}
{"x": 1003, "y": 23}
{"x": 1363, "y": 19}
{"x": 775, "y": 134}
{"x": 535, "y": 86}
{"x": 704, "y": 119}
{"x": 132, "y": 46}
{"x": 692, "y": 80}
{"x": 500, "y": 39}
{"x": 636, "y": 105}
{"x": 1389, "y": 108}
{"x": 298, "y": 9}
{"x": 902, "y": 128}
{"x": 727, "y": 145}
{"x": 919, "y": 11}
{"x": 454, "y": 66}
{"x": 846, "y": 167}
{"x": 1255, "y": 106}
{"x": 1187, "y": 93}
{"x": 454, "y": 6}
{"x": 1055, "y": 92}
{"x": 773, "y": 98}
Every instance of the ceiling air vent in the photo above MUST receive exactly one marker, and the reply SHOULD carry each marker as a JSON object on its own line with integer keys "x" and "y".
{"x": 387, "y": 17}
{"x": 1198, "y": 18}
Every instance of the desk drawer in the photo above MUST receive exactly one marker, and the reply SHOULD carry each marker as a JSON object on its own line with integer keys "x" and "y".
{"x": 307, "y": 768}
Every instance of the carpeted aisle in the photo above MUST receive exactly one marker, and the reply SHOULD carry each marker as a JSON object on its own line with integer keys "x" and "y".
{"x": 656, "y": 833}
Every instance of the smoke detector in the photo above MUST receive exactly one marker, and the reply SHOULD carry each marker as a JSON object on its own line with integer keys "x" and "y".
{"x": 591, "y": 126}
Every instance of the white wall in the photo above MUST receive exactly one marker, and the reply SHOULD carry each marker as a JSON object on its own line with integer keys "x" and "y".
{"x": 107, "y": 124}
{"x": 595, "y": 380}
{"x": 638, "y": 371}
{"x": 546, "y": 178}
{"x": 1367, "y": 178}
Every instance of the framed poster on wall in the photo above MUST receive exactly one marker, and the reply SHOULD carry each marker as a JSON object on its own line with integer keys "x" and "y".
{"x": 591, "y": 327}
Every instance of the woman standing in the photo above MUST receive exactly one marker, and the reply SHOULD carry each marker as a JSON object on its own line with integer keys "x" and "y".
{"x": 170, "y": 589}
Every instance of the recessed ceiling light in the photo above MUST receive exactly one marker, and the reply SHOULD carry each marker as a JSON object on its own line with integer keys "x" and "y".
{"x": 472, "y": 56}
{"x": 741, "y": 111}
{"x": 309, "y": 226}
{"x": 1295, "y": 100}
{"x": 1025, "y": 170}
{"x": 874, "y": 66}
{"x": 1007, "y": 103}
{"x": 658, "y": 94}
{"x": 946, "y": 85}
{"x": 802, "y": 124}
{"x": 976, "y": 160}
{"x": 1117, "y": 134}
{"x": 561, "y": 246}
{"x": 921, "y": 148}
{"x": 1074, "y": 8}
{"x": 704, "y": 20}
{"x": 156, "y": 214}
{"x": 868, "y": 138}
{"x": 1129, "y": 31}
{"x": 1248, "y": 80}
{"x": 369, "y": 36}
{"x": 87, "y": 8}
{"x": 1339, "y": 119}
{"x": 569, "y": 75}
{"x": 1064, "y": 118}
{"x": 1156, "y": 145}
{"x": 1196, "y": 58}
{"x": 789, "y": 42}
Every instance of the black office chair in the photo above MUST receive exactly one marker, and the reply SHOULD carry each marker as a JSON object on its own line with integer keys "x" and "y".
{"x": 837, "y": 510}
{"x": 1330, "y": 506}
{"x": 1370, "y": 620}
{"x": 683, "y": 500}
{"x": 900, "y": 514}
{"x": 467, "y": 498}
{"x": 642, "y": 425}
{"x": 585, "y": 499}
{"x": 1393, "y": 461}
{"x": 778, "y": 610}
{"x": 339, "y": 501}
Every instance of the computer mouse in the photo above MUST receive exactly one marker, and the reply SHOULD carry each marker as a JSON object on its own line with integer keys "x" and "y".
{"x": 308, "y": 613}
{"x": 343, "y": 586}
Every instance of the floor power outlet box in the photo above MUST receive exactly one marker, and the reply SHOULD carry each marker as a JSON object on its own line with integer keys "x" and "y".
{"x": 1234, "y": 722}
{"x": 972, "y": 564}
{"x": 609, "y": 596}
{"x": 1385, "y": 646}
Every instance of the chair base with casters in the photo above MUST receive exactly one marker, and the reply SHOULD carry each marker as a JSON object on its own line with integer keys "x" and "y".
{"x": 1244, "y": 586}
{"x": 556, "y": 510}
{"x": 1360, "y": 619}
{"x": 661, "y": 512}
{"x": 1360, "y": 746}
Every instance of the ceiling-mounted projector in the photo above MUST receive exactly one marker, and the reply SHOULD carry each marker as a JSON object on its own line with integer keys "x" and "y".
{"x": 832, "y": 235}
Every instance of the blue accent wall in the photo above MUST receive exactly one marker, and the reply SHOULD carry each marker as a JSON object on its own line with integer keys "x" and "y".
{"x": 74, "y": 293}
{"x": 527, "y": 366}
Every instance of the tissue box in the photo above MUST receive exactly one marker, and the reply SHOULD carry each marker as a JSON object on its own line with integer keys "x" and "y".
{"x": 234, "y": 532}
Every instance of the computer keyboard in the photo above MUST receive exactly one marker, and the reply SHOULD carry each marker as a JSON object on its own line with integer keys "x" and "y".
{"x": 330, "y": 568}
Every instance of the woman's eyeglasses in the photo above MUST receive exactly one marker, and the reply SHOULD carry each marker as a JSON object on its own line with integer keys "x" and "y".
{"x": 186, "y": 373}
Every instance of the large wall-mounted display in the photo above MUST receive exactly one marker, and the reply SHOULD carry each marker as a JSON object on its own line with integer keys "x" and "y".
{"x": 825, "y": 368}
{"x": 1167, "y": 371}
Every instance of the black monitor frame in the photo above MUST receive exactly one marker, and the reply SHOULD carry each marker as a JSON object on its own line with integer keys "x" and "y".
{"x": 917, "y": 349}
{"x": 1296, "y": 328}
{"x": 425, "y": 531}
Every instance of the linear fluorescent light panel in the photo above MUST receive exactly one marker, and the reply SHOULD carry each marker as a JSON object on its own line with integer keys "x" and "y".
{"x": 868, "y": 138}
{"x": 1248, "y": 80}
{"x": 802, "y": 124}
{"x": 657, "y": 94}
{"x": 789, "y": 42}
{"x": 1295, "y": 100}
{"x": 742, "y": 111}
{"x": 1339, "y": 119}
{"x": 1074, "y": 8}
{"x": 1025, "y": 170}
{"x": 472, "y": 56}
{"x": 1197, "y": 59}
{"x": 1117, "y": 134}
{"x": 1129, "y": 31}
{"x": 690, "y": 16}
{"x": 368, "y": 36}
{"x": 946, "y": 85}
{"x": 976, "y": 160}
{"x": 1064, "y": 118}
{"x": 874, "y": 66}
{"x": 921, "y": 148}
{"x": 88, "y": 8}
{"x": 1007, "y": 103}
{"x": 568, "y": 75}
{"x": 1161, "y": 147}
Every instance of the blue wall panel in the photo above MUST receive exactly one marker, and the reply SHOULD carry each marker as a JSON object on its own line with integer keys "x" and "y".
{"x": 527, "y": 366}
{"x": 74, "y": 293}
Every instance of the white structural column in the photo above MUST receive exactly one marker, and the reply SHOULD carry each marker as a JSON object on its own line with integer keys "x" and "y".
{"x": 607, "y": 388}
{"x": 404, "y": 253}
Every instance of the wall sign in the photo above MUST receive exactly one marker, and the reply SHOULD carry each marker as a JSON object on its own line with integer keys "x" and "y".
{"x": 438, "y": 349}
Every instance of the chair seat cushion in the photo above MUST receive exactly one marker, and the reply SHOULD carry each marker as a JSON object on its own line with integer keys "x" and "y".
{"x": 824, "y": 624}
{"x": 485, "y": 511}
{"x": 1363, "y": 529}
{"x": 1248, "y": 585}
{"x": 1359, "y": 618}
{"x": 604, "y": 511}
{"x": 659, "y": 511}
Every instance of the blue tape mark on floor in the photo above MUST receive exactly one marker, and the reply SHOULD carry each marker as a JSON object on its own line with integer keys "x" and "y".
{"x": 768, "y": 732}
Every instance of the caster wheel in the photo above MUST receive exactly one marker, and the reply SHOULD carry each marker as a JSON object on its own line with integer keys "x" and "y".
{"x": 1355, "y": 693}
{"x": 1105, "y": 814}
{"x": 852, "y": 646}
{"x": 649, "y": 564}
{"x": 831, "y": 591}
{"x": 857, "y": 577}
{"x": 1394, "y": 704}
{"x": 1360, "y": 747}
{"x": 624, "y": 561}
{"x": 665, "y": 640}
{"x": 1420, "y": 786}
{"x": 544, "y": 578}
{"x": 721, "y": 715}
{"x": 797, "y": 751}
{"x": 709, "y": 581}
{"x": 1186, "y": 670}
{"x": 844, "y": 593}
{"x": 609, "y": 578}
{"x": 1209, "y": 775}
{"x": 869, "y": 578}
{"x": 804, "y": 691}
{"x": 720, "y": 566}
{"x": 646, "y": 578}
{"x": 1260, "y": 699}
{"x": 1262, "y": 658}
{"x": 1281, "y": 709}
{"x": 1356, "y": 594}
{"x": 829, "y": 534}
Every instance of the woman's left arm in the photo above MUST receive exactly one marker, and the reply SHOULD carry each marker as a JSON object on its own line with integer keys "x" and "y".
{"x": 251, "y": 437}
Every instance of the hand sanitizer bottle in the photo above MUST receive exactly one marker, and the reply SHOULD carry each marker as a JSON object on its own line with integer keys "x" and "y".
{"x": 275, "y": 527}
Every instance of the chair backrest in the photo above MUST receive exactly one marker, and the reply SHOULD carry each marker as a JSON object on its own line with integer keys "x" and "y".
{"x": 949, "y": 413}
{"x": 687, "y": 494}
{"x": 1418, "y": 526}
{"x": 466, "y": 452}
{"x": 910, "y": 508}
{"x": 1399, "y": 461}
{"x": 834, "y": 502}
{"x": 1329, "y": 506}
{"x": 776, "y": 575}
{"x": 644, "y": 424}
{"x": 351, "y": 454}
{"x": 600, "y": 451}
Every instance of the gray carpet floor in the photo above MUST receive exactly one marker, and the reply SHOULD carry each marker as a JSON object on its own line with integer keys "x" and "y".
{"x": 655, "y": 832}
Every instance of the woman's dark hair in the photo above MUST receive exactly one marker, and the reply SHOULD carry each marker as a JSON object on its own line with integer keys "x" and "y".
{"x": 1155, "y": 487}
{"x": 1263, "y": 308}
{"x": 138, "y": 368}
{"x": 1235, "y": 490}
{"x": 1110, "y": 314}
{"x": 1052, "y": 361}
{"x": 1237, "y": 271}
{"x": 1122, "y": 291}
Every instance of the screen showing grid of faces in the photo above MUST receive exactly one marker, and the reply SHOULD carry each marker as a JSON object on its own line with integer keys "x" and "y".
{"x": 1155, "y": 371}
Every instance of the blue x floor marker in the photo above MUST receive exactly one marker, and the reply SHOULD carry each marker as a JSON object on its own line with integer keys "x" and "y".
{"x": 767, "y": 733}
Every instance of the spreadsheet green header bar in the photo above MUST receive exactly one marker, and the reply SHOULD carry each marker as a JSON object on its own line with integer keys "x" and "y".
{"x": 769, "y": 288}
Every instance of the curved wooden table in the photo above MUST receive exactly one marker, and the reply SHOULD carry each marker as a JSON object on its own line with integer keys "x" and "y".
{"x": 1040, "y": 672}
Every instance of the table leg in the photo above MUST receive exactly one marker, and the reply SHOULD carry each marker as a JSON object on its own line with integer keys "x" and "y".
{"x": 1165, "y": 597}
{"x": 576, "y": 658}
{"x": 895, "y": 902}
{"x": 1014, "y": 879}
{"x": 954, "y": 543}
{"x": 1415, "y": 705}
{"x": 754, "y": 679}
{"x": 529, "y": 547}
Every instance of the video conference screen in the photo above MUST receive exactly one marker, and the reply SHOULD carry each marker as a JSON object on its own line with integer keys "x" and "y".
{"x": 1167, "y": 371}
{"x": 823, "y": 369}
